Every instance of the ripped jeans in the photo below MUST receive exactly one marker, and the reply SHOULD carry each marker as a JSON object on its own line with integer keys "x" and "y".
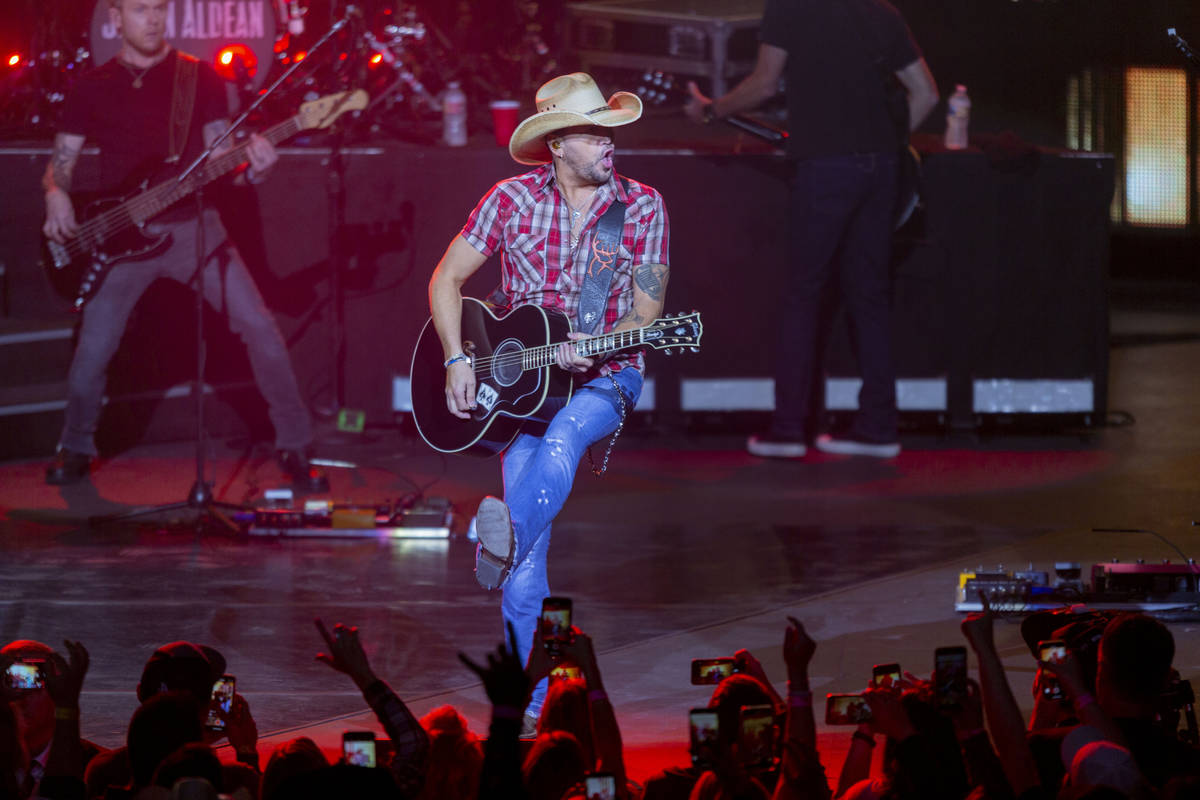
{"x": 538, "y": 473}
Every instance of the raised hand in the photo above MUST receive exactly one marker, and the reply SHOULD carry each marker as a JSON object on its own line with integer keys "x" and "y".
{"x": 1069, "y": 674}
{"x": 798, "y": 649}
{"x": 240, "y": 726}
{"x": 345, "y": 653}
{"x": 745, "y": 662}
{"x": 977, "y": 627}
{"x": 64, "y": 682}
{"x": 503, "y": 678}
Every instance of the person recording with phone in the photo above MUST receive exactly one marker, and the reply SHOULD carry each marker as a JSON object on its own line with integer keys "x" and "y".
{"x": 193, "y": 669}
{"x": 580, "y": 707}
{"x": 41, "y": 690}
{"x": 741, "y": 683}
{"x": 344, "y": 653}
{"x": 27, "y": 664}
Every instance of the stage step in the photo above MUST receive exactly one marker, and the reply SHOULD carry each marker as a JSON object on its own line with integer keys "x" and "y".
{"x": 36, "y": 351}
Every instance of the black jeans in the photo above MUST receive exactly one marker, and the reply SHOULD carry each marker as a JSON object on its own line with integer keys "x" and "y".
{"x": 228, "y": 287}
{"x": 841, "y": 219}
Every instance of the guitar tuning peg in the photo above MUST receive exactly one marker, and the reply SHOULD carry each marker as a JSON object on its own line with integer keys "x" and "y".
{"x": 694, "y": 349}
{"x": 668, "y": 351}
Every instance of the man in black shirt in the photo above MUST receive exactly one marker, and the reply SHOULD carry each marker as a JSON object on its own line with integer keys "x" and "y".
{"x": 126, "y": 106}
{"x": 838, "y": 58}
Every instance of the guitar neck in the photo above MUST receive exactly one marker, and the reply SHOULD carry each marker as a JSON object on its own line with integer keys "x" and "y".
{"x": 545, "y": 355}
{"x": 768, "y": 133}
{"x": 166, "y": 194}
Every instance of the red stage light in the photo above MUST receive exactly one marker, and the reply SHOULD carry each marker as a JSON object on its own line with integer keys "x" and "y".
{"x": 375, "y": 59}
{"x": 301, "y": 55}
{"x": 14, "y": 59}
{"x": 236, "y": 62}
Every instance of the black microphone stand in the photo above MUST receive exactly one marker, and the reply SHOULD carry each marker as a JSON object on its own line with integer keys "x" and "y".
{"x": 200, "y": 498}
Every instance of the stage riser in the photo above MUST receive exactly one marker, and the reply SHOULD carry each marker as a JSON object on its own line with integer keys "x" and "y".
{"x": 1005, "y": 281}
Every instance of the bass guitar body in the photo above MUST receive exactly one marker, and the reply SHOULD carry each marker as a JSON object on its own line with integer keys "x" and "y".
{"x": 79, "y": 273}
{"x": 507, "y": 392}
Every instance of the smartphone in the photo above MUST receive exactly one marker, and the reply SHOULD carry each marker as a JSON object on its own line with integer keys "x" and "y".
{"x": 600, "y": 786}
{"x": 1053, "y": 651}
{"x": 556, "y": 623}
{"x": 756, "y": 735}
{"x": 565, "y": 672}
{"x": 889, "y": 671}
{"x": 711, "y": 670}
{"x": 846, "y": 709}
{"x": 702, "y": 736}
{"x": 358, "y": 748}
{"x": 25, "y": 675}
{"x": 950, "y": 675}
{"x": 222, "y": 701}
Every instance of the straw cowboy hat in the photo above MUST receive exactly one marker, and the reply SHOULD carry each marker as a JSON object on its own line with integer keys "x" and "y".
{"x": 564, "y": 102}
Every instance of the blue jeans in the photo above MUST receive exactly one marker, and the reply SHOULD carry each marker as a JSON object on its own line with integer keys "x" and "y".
{"x": 538, "y": 473}
{"x": 228, "y": 287}
{"x": 841, "y": 217}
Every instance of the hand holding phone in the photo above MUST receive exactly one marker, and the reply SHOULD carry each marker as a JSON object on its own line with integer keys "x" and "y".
{"x": 702, "y": 736}
{"x": 950, "y": 675}
{"x": 846, "y": 709}
{"x": 600, "y": 786}
{"x": 358, "y": 748}
{"x": 25, "y": 675}
{"x": 555, "y": 624}
{"x": 711, "y": 670}
{"x": 221, "y": 703}
{"x": 1051, "y": 651}
{"x": 888, "y": 675}
{"x": 757, "y": 735}
{"x": 565, "y": 672}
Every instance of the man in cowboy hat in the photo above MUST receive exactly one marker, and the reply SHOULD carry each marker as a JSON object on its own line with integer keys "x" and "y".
{"x": 547, "y": 225}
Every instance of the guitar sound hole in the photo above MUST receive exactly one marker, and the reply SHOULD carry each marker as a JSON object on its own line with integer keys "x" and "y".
{"x": 506, "y": 362}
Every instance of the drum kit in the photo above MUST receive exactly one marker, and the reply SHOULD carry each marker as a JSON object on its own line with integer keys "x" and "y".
{"x": 403, "y": 54}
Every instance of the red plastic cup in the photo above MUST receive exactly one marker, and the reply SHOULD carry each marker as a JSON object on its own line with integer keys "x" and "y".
{"x": 504, "y": 119}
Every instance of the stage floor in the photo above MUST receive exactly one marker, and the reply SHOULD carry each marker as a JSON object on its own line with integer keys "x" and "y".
{"x": 688, "y": 548}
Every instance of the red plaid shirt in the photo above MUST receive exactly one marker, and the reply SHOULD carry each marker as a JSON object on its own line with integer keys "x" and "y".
{"x": 529, "y": 221}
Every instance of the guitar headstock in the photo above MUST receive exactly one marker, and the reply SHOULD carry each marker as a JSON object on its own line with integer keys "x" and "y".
{"x": 322, "y": 112}
{"x": 659, "y": 89}
{"x": 667, "y": 333}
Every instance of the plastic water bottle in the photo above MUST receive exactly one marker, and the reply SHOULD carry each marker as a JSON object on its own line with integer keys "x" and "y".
{"x": 454, "y": 116}
{"x": 958, "y": 116}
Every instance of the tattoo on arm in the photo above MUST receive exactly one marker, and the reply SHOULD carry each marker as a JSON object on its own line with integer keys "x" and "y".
{"x": 62, "y": 163}
{"x": 633, "y": 316}
{"x": 652, "y": 279}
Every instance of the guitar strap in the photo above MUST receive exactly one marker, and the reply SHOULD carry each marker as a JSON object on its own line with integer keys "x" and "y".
{"x": 183, "y": 102}
{"x": 602, "y": 260}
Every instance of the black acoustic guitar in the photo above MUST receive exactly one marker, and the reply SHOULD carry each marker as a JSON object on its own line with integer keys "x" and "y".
{"x": 660, "y": 89}
{"x": 515, "y": 371}
{"x": 113, "y": 230}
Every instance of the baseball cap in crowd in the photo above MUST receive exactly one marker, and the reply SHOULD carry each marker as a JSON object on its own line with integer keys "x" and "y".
{"x": 181, "y": 666}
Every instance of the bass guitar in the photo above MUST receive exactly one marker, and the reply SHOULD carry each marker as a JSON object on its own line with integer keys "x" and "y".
{"x": 515, "y": 371}
{"x": 113, "y": 230}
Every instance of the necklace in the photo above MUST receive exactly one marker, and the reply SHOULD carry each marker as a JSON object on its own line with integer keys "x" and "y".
{"x": 577, "y": 218}
{"x": 137, "y": 76}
